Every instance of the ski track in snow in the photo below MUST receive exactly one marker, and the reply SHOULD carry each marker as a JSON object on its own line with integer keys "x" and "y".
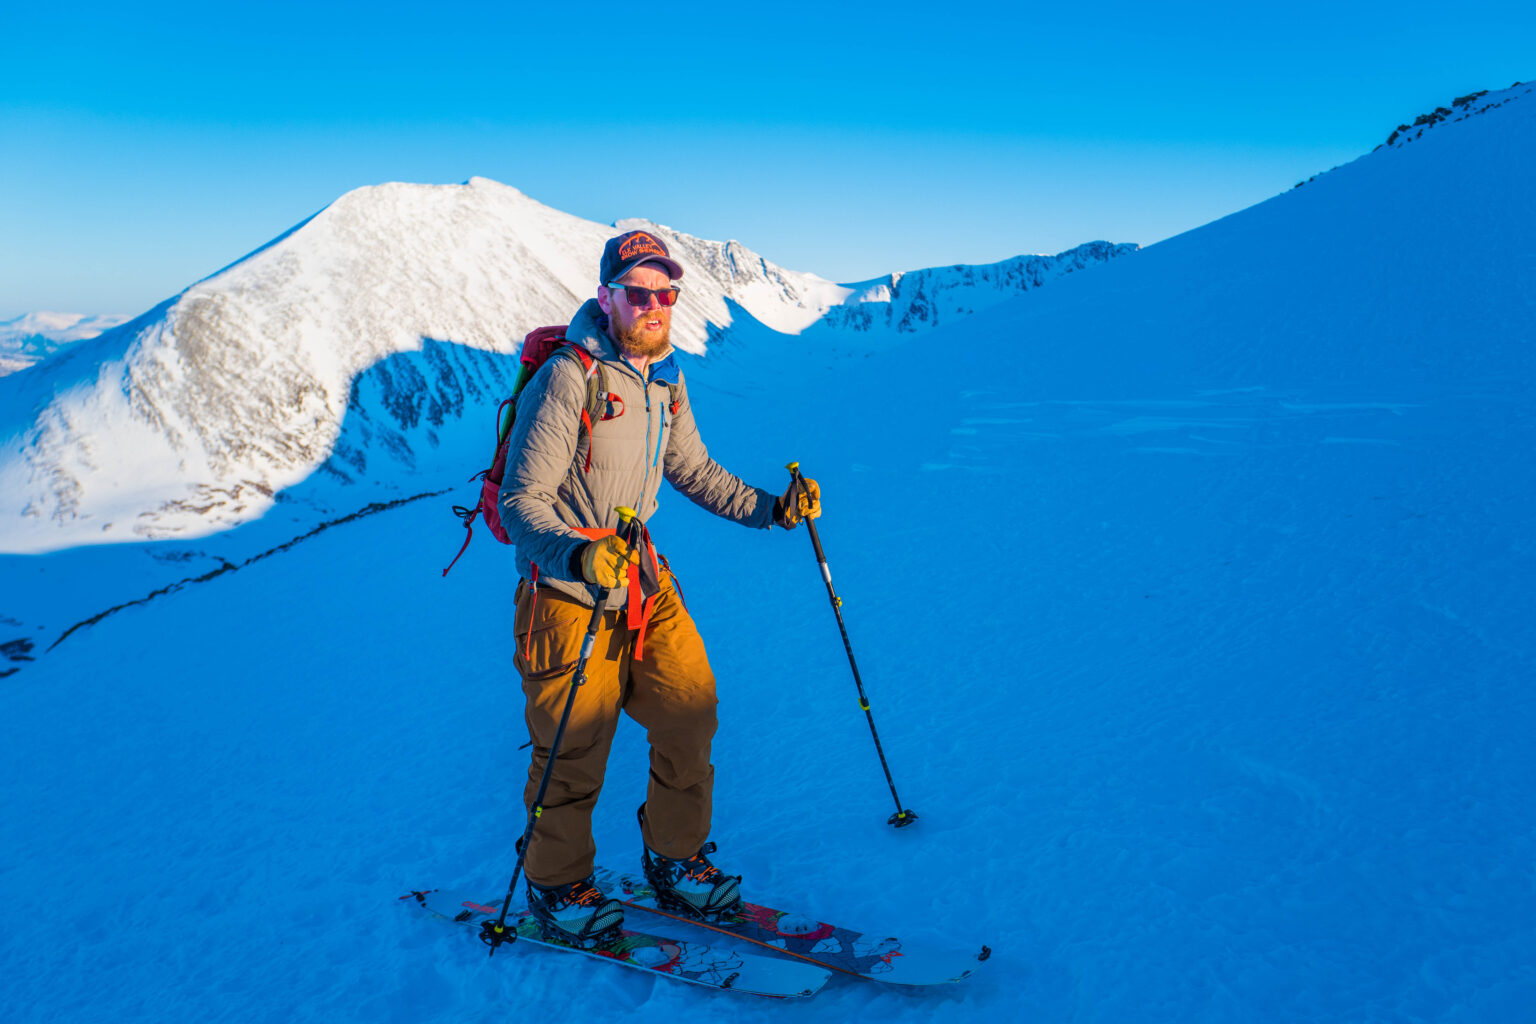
{"x": 1197, "y": 630}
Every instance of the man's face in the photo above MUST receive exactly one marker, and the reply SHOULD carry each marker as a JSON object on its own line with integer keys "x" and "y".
{"x": 638, "y": 331}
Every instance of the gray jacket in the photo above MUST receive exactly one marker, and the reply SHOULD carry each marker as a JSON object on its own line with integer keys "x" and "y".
{"x": 546, "y": 491}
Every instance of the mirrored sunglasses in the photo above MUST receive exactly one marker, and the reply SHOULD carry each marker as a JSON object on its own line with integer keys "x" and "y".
{"x": 640, "y": 298}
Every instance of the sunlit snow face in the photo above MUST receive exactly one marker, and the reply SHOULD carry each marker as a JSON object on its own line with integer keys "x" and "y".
{"x": 639, "y": 332}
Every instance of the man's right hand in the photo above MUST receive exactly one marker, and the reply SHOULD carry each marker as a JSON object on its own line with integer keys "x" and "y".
{"x": 801, "y": 501}
{"x": 606, "y": 562}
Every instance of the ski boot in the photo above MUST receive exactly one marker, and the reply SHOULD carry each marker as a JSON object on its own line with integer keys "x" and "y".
{"x": 578, "y": 914}
{"x": 692, "y": 887}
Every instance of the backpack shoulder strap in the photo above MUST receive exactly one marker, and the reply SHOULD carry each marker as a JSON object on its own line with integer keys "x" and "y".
{"x": 597, "y": 396}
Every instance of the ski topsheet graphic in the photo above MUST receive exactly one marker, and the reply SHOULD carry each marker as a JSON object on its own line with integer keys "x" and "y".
{"x": 698, "y": 963}
{"x": 842, "y": 949}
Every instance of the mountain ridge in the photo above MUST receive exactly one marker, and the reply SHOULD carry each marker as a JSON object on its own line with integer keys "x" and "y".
{"x": 239, "y": 387}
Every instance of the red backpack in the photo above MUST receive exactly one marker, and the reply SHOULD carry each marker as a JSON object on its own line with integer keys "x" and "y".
{"x": 539, "y": 347}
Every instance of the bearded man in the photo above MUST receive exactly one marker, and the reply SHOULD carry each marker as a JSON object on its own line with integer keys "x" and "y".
{"x": 558, "y": 500}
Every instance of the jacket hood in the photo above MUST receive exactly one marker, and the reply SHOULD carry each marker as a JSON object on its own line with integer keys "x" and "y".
{"x": 589, "y": 329}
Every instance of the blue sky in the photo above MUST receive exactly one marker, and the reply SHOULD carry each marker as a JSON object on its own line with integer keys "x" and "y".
{"x": 144, "y": 146}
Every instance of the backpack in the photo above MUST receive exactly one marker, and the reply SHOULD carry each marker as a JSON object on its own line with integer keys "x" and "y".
{"x": 541, "y": 345}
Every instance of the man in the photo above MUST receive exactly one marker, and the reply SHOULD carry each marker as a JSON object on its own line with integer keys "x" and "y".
{"x": 558, "y": 500}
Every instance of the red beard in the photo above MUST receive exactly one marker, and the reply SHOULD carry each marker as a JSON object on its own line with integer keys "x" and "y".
{"x": 637, "y": 341}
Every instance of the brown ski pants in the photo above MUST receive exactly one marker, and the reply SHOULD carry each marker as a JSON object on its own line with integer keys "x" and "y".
{"x": 671, "y": 693}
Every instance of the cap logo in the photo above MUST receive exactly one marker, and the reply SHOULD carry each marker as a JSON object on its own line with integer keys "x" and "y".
{"x": 640, "y": 245}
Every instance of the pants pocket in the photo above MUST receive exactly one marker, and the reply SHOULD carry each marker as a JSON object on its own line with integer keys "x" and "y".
{"x": 547, "y": 632}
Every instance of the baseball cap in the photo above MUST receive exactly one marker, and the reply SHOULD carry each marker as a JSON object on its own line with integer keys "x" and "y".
{"x": 629, "y": 250}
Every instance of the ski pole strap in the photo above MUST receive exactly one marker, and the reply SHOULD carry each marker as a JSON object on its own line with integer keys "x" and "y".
{"x": 643, "y": 585}
{"x": 810, "y": 524}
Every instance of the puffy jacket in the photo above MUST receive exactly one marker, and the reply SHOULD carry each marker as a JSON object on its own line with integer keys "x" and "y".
{"x": 546, "y": 492}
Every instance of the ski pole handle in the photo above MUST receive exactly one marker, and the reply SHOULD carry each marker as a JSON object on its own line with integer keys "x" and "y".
{"x": 810, "y": 524}
{"x": 629, "y": 519}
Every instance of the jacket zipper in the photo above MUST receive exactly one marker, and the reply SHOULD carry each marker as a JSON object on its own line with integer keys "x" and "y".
{"x": 645, "y": 480}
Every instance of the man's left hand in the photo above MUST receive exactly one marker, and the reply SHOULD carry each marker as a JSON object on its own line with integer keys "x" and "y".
{"x": 801, "y": 501}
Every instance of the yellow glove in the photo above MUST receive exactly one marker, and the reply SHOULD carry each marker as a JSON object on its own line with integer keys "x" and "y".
{"x": 606, "y": 562}
{"x": 801, "y": 501}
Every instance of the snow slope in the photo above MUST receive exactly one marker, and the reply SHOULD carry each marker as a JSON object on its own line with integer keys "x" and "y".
{"x": 1192, "y": 596}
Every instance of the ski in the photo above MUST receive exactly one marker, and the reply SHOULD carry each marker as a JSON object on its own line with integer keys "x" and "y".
{"x": 697, "y": 963}
{"x": 842, "y": 949}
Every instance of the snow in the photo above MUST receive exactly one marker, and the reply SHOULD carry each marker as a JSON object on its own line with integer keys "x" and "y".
{"x": 1192, "y": 596}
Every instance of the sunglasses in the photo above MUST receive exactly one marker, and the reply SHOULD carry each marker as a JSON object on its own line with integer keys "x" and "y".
{"x": 640, "y": 298}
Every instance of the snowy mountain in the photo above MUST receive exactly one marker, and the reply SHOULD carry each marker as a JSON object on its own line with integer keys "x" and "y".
{"x": 1193, "y": 606}
{"x": 355, "y": 340}
{"x": 33, "y": 337}
{"x": 924, "y": 299}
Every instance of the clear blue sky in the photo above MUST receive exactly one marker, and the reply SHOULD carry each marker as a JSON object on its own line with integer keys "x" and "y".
{"x": 143, "y": 146}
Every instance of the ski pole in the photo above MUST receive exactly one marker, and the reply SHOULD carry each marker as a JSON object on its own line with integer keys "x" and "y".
{"x": 902, "y": 817}
{"x": 495, "y": 933}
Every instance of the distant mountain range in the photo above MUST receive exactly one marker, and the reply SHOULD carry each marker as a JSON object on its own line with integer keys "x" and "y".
{"x": 31, "y": 338}
{"x": 356, "y": 339}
